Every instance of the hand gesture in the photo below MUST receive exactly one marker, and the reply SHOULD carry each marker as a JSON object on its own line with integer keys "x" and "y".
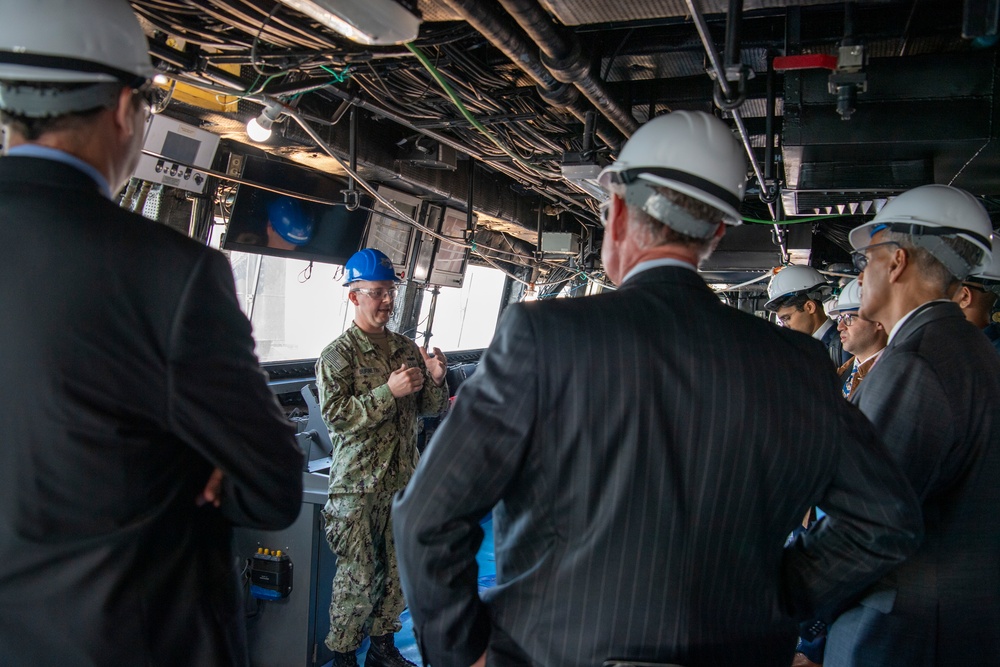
{"x": 437, "y": 365}
{"x": 212, "y": 493}
{"x": 405, "y": 381}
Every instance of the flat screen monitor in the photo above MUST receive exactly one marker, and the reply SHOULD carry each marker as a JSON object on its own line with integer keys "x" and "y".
{"x": 391, "y": 235}
{"x": 450, "y": 260}
{"x": 268, "y": 223}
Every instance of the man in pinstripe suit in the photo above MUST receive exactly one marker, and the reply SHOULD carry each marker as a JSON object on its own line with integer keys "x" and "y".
{"x": 647, "y": 452}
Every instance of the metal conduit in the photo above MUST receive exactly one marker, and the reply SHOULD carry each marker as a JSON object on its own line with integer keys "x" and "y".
{"x": 565, "y": 60}
{"x": 720, "y": 75}
{"x": 504, "y": 36}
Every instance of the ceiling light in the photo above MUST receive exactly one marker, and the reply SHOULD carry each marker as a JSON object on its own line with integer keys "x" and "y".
{"x": 259, "y": 128}
{"x": 364, "y": 21}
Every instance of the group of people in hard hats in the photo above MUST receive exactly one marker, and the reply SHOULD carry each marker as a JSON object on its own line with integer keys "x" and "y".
{"x": 645, "y": 452}
{"x": 910, "y": 328}
{"x": 682, "y": 403}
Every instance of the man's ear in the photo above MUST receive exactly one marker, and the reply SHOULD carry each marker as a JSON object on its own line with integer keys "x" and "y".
{"x": 809, "y": 307}
{"x": 352, "y": 297}
{"x": 963, "y": 297}
{"x": 125, "y": 115}
{"x": 899, "y": 260}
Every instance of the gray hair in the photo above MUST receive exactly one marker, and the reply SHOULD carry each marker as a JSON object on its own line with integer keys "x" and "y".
{"x": 932, "y": 269}
{"x": 653, "y": 232}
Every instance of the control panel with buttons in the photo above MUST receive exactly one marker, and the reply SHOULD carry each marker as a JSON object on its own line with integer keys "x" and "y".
{"x": 176, "y": 154}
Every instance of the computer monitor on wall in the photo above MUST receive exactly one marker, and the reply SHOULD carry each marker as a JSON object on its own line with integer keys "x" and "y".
{"x": 283, "y": 225}
{"x": 451, "y": 257}
{"x": 441, "y": 261}
{"x": 390, "y": 234}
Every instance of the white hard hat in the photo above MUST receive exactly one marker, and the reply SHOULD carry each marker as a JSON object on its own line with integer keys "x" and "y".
{"x": 68, "y": 41}
{"x": 929, "y": 212}
{"x": 991, "y": 273}
{"x": 795, "y": 279}
{"x": 849, "y": 299}
{"x": 691, "y": 152}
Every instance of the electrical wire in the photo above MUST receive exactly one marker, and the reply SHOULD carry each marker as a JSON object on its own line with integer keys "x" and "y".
{"x": 233, "y": 31}
{"x": 798, "y": 221}
{"x": 469, "y": 117}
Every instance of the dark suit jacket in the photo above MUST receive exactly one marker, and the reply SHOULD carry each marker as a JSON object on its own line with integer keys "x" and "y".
{"x": 648, "y": 451}
{"x": 831, "y": 339}
{"x": 128, "y": 373}
{"x": 934, "y": 396}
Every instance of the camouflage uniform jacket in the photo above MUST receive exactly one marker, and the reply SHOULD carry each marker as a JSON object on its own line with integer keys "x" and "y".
{"x": 374, "y": 434}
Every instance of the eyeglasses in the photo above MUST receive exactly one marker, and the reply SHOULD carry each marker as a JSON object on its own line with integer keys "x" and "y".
{"x": 148, "y": 95}
{"x": 861, "y": 259}
{"x": 847, "y": 319}
{"x": 377, "y": 293}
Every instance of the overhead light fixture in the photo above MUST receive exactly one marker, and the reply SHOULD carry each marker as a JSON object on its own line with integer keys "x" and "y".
{"x": 582, "y": 171}
{"x": 259, "y": 128}
{"x": 364, "y": 21}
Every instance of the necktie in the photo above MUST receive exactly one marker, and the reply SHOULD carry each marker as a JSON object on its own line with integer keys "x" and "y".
{"x": 849, "y": 383}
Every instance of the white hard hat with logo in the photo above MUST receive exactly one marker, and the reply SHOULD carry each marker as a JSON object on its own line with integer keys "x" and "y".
{"x": 793, "y": 280}
{"x": 691, "y": 152}
{"x": 849, "y": 299}
{"x": 68, "y": 41}
{"x": 926, "y": 214}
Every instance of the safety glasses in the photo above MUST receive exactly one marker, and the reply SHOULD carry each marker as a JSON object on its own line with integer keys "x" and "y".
{"x": 860, "y": 256}
{"x": 377, "y": 293}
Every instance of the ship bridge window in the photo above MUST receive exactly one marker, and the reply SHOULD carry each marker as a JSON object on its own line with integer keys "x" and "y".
{"x": 465, "y": 318}
{"x": 293, "y": 317}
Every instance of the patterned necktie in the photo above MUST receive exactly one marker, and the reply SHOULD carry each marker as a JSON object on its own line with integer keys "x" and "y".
{"x": 849, "y": 383}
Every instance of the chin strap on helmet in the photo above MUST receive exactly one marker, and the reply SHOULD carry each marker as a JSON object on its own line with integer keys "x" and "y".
{"x": 929, "y": 239}
{"x": 631, "y": 176}
{"x": 41, "y": 102}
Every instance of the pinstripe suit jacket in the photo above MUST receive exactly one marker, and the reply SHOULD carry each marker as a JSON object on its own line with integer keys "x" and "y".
{"x": 648, "y": 452}
{"x": 935, "y": 398}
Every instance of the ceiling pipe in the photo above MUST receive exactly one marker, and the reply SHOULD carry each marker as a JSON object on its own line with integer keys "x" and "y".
{"x": 505, "y": 36}
{"x": 565, "y": 59}
{"x": 727, "y": 90}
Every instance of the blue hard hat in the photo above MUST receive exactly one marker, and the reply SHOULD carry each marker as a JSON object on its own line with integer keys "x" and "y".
{"x": 369, "y": 264}
{"x": 288, "y": 219}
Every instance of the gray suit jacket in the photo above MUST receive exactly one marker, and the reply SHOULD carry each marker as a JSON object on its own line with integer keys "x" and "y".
{"x": 648, "y": 452}
{"x": 934, "y": 396}
{"x": 128, "y": 374}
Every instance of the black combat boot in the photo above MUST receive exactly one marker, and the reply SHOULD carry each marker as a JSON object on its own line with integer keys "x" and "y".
{"x": 344, "y": 659}
{"x": 383, "y": 653}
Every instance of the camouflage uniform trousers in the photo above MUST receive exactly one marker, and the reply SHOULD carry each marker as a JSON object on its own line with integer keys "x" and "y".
{"x": 367, "y": 598}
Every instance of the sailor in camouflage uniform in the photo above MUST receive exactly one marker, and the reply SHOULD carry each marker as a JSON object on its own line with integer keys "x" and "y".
{"x": 373, "y": 383}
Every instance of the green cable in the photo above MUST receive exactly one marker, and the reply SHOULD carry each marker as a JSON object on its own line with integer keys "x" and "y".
{"x": 339, "y": 77}
{"x": 797, "y": 220}
{"x": 429, "y": 66}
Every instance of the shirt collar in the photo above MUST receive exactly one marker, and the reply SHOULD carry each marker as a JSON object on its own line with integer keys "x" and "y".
{"x": 819, "y": 333}
{"x": 909, "y": 315}
{"x": 657, "y": 263}
{"x": 874, "y": 356}
{"x": 47, "y": 153}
